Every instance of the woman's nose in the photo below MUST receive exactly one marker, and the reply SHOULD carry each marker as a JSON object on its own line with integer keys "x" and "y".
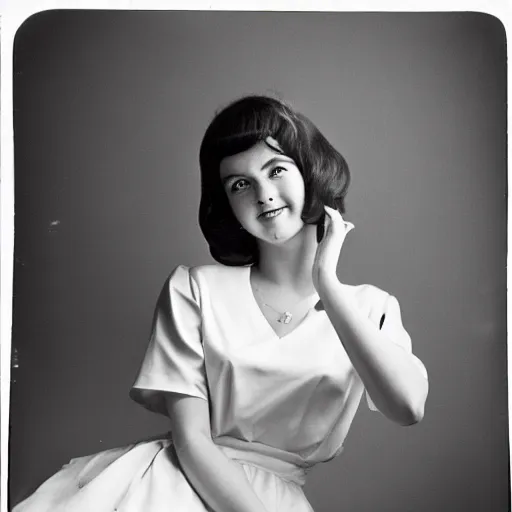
{"x": 265, "y": 194}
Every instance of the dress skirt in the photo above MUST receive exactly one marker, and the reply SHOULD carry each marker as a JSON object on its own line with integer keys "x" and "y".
{"x": 147, "y": 477}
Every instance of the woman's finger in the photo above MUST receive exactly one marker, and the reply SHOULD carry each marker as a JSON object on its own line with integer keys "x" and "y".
{"x": 334, "y": 217}
{"x": 337, "y": 222}
{"x": 348, "y": 226}
{"x": 327, "y": 225}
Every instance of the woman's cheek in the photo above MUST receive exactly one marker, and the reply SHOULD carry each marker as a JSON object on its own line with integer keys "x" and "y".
{"x": 239, "y": 210}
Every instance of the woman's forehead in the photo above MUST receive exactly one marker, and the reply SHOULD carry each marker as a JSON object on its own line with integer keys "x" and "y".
{"x": 252, "y": 158}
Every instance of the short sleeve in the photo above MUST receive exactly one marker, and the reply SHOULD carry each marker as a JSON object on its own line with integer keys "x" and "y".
{"x": 174, "y": 359}
{"x": 390, "y": 323}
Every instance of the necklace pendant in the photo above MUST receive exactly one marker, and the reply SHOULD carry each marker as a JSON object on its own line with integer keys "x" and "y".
{"x": 286, "y": 318}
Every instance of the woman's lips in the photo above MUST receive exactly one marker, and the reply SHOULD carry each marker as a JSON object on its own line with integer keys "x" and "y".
{"x": 270, "y": 214}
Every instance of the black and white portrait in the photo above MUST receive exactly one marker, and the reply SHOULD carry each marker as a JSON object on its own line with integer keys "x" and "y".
{"x": 259, "y": 262}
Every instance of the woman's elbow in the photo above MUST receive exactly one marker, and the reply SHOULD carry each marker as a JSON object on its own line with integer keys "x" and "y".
{"x": 414, "y": 411}
{"x": 404, "y": 414}
{"x": 412, "y": 416}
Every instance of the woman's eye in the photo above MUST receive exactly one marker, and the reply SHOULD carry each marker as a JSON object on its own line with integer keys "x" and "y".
{"x": 276, "y": 171}
{"x": 239, "y": 185}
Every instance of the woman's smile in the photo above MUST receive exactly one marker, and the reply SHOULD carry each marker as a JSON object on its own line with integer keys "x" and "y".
{"x": 271, "y": 214}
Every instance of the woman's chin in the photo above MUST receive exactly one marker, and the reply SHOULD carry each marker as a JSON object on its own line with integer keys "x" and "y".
{"x": 282, "y": 236}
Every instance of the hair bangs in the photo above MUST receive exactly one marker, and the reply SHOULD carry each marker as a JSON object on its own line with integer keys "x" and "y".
{"x": 247, "y": 127}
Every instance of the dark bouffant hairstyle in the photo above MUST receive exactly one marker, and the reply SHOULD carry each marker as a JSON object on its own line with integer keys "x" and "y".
{"x": 237, "y": 128}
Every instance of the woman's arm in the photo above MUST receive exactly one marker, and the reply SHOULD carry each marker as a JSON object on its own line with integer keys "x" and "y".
{"x": 391, "y": 377}
{"x": 393, "y": 380}
{"x": 220, "y": 482}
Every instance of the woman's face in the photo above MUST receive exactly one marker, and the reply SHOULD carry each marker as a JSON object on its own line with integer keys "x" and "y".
{"x": 266, "y": 192}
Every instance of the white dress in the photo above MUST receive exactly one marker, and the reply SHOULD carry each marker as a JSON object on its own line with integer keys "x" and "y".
{"x": 278, "y": 405}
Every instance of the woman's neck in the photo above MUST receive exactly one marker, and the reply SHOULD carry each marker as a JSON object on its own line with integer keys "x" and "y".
{"x": 289, "y": 265}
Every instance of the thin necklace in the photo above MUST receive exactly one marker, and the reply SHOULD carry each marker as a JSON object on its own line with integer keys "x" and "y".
{"x": 285, "y": 317}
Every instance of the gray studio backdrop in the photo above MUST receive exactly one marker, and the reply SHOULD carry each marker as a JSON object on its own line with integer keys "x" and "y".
{"x": 109, "y": 111}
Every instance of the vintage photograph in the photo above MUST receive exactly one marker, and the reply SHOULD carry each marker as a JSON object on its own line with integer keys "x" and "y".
{"x": 259, "y": 262}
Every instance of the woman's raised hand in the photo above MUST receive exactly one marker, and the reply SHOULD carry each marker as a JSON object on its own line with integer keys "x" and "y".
{"x": 329, "y": 248}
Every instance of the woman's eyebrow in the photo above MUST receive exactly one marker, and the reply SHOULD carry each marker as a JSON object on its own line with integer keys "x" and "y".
{"x": 266, "y": 165}
{"x": 275, "y": 160}
{"x": 225, "y": 179}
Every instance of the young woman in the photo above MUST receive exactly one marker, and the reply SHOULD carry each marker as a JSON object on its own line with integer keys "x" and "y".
{"x": 259, "y": 362}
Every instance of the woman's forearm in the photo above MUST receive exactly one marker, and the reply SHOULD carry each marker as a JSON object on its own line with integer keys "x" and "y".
{"x": 220, "y": 482}
{"x": 395, "y": 383}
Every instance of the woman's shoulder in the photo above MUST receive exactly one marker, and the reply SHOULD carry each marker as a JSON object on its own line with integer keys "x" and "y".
{"x": 209, "y": 269}
{"x": 208, "y": 275}
{"x": 216, "y": 269}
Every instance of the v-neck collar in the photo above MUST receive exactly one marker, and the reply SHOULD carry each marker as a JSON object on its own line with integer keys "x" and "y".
{"x": 263, "y": 319}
